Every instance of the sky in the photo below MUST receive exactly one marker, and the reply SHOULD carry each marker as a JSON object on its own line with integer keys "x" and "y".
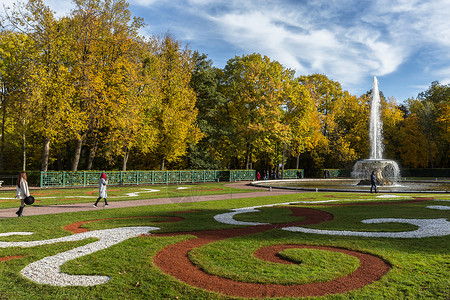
{"x": 404, "y": 43}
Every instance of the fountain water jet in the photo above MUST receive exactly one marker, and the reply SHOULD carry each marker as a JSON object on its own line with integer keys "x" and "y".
{"x": 386, "y": 170}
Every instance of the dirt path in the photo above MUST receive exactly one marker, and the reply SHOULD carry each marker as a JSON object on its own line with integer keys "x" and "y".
{"x": 56, "y": 209}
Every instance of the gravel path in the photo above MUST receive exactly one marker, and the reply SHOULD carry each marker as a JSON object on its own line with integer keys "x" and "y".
{"x": 56, "y": 209}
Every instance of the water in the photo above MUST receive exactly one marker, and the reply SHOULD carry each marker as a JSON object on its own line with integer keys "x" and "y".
{"x": 375, "y": 125}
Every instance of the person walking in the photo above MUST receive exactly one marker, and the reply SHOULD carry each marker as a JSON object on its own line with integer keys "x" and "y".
{"x": 373, "y": 182}
{"x": 103, "y": 182}
{"x": 22, "y": 191}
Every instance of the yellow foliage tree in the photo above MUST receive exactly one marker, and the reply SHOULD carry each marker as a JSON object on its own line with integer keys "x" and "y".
{"x": 173, "y": 99}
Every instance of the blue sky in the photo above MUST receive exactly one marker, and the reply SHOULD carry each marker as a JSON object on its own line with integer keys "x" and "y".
{"x": 405, "y": 43}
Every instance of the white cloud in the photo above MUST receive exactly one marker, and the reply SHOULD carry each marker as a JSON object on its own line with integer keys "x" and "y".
{"x": 343, "y": 39}
{"x": 310, "y": 45}
{"x": 146, "y": 3}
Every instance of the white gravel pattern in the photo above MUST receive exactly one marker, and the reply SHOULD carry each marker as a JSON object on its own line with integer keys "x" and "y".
{"x": 439, "y": 207}
{"x": 228, "y": 218}
{"x": 47, "y": 270}
{"x": 15, "y": 233}
{"x": 427, "y": 228}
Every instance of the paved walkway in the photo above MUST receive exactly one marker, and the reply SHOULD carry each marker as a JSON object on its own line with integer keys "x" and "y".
{"x": 56, "y": 209}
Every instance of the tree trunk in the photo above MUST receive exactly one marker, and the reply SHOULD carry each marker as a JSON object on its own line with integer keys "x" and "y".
{"x": 45, "y": 154}
{"x": 77, "y": 154}
{"x": 430, "y": 154}
{"x": 163, "y": 161}
{"x": 2, "y": 147}
{"x": 249, "y": 156}
{"x": 125, "y": 159}
{"x": 298, "y": 162}
{"x": 92, "y": 154}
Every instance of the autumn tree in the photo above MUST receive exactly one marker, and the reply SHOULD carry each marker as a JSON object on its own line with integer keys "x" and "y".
{"x": 48, "y": 73}
{"x": 15, "y": 51}
{"x": 412, "y": 149}
{"x": 254, "y": 87}
{"x": 303, "y": 119}
{"x": 333, "y": 106}
{"x": 175, "y": 112}
{"x": 433, "y": 116}
{"x": 104, "y": 74}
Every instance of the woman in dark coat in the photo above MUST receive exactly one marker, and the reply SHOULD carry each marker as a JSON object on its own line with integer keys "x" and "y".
{"x": 373, "y": 182}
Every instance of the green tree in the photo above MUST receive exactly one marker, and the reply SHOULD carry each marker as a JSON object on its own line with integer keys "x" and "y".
{"x": 205, "y": 82}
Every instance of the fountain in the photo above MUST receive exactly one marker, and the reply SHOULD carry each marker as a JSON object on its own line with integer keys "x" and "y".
{"x": 386, "y": 170}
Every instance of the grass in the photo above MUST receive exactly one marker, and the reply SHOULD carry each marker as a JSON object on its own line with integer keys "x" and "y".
{"x": 420, "y": 267}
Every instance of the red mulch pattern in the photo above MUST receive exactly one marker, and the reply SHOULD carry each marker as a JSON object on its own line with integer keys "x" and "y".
{"x": 5, "y": 258}
{"x": 370, "y": 203}
{"x": 76, "y": 227}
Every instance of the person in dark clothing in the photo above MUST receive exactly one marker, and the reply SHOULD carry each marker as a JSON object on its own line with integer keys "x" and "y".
{"x": 373, "y": 182}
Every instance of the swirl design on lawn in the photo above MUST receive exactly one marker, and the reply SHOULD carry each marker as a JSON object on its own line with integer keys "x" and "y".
{"x": 173, "y": 260}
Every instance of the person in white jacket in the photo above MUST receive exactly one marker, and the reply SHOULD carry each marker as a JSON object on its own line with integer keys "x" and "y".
{"x": 22, "y": 191}
{"x": 103, "y": 182}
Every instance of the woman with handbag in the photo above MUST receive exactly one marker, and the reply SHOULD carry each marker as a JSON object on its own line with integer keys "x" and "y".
{"x": 22, "y": 191}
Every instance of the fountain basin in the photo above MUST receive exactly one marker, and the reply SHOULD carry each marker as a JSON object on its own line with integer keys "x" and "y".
{"x": 386, "y": 170}
{"x": 351, "y": 185}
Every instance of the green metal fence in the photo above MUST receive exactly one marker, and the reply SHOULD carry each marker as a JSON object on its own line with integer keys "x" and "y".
{"x": 333, "y": 173}
{"x": 88, "y": 178}
{"x": 293, "y": 173}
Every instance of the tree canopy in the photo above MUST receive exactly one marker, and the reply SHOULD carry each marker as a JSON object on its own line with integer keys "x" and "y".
{"x": 86, "y": 91}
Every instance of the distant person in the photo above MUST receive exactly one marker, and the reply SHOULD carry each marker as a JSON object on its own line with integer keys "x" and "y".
{"x": 103, "y": 182}
{"x": 299, "y": 175}
{"x": 258, "y": 176}
{"x": 22, "y": 191}
{"x": 373, "y": 182}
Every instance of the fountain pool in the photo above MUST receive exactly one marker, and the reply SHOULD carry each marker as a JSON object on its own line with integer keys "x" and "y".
{"x": 351, "y": 185}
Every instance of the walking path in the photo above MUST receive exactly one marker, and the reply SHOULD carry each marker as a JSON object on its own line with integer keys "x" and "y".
{"x": 56, "y": 209}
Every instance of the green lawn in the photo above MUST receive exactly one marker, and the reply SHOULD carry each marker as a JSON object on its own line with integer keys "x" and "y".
{"x": 420, "y": 266}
